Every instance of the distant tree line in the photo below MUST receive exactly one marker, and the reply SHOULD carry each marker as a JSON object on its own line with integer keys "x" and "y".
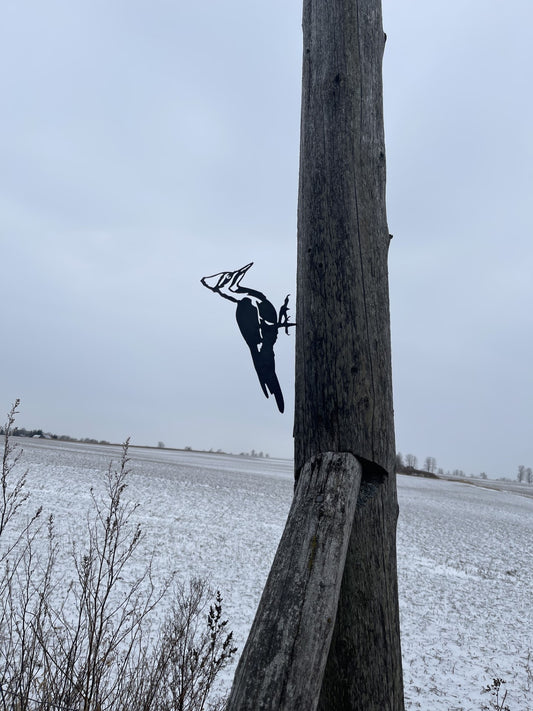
{"x": 408, "y": 464}
{"x": 525, "y": 474}
{"x": 253, "y": 453}
{"x": 23, "y": 432}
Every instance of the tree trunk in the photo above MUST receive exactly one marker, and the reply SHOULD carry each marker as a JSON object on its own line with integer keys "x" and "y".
{"x": 343, "y": 368}
{"x": 343, "y": 353}
{"x": 326, "y": 633}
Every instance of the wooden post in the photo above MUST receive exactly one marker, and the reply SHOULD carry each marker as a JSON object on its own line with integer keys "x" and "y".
{"x": 336, "y": 562}
{"x": 343, "y": 357}
{"x": 343, "y": 351}
{"x": 282, "y": 664}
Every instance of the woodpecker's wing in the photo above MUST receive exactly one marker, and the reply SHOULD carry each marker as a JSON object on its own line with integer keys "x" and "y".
{"x": 260, "y": 337}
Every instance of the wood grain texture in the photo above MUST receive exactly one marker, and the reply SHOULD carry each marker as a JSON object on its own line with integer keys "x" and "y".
{"x": 343, "y": 369}
{"x": 343, "y": 393}
{"x": 364, "y": 667}
{"x": 282, "y": 664}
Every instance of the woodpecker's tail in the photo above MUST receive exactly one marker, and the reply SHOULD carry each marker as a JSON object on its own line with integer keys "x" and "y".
{"x": 275, "y": 389}
{"x": 264, "y": 367}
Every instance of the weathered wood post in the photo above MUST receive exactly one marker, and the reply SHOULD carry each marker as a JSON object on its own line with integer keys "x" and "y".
{"x": 326, "y": 634}
{"x": 343, "y": 350}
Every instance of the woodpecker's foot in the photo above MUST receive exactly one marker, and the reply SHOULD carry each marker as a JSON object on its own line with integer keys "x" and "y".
{"x": 283, "y": 320}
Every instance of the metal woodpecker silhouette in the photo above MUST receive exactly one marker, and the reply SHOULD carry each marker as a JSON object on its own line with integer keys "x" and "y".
{"x": 258, "y": 323}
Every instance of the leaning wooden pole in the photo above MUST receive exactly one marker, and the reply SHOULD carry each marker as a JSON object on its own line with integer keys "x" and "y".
{"x": 283, "y": 662}
{"x": 326, "y": 633}
{"x": 343, "y": 349}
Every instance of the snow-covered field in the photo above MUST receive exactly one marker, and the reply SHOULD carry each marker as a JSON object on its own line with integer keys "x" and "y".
{"x": 465, "y": 555}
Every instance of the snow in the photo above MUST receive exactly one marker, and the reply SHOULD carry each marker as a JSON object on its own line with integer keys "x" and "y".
{"x": 466, "y": 595}
{"x": 465, "y": 555}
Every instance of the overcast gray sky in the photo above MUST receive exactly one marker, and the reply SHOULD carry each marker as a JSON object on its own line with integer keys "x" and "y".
{"x": 144, "y": 145}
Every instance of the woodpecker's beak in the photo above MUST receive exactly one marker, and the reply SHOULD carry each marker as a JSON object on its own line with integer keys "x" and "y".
{"x": 238, "y": 275}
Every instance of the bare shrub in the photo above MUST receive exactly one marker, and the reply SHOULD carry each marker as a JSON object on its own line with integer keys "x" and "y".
{"x": 13, "y": 485}
{"x": 179, "y": 672}
{"x": 93, "y": 644}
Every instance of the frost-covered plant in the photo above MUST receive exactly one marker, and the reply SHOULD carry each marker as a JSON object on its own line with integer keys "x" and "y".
{"x": 495, "y": 689}
{"x": 13, "y": 494}
{"x": 91, "y": 643}
{"x": 18, "y": 644}
{"x": 529, "y": 669}
{"x": 179, "y": 672}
